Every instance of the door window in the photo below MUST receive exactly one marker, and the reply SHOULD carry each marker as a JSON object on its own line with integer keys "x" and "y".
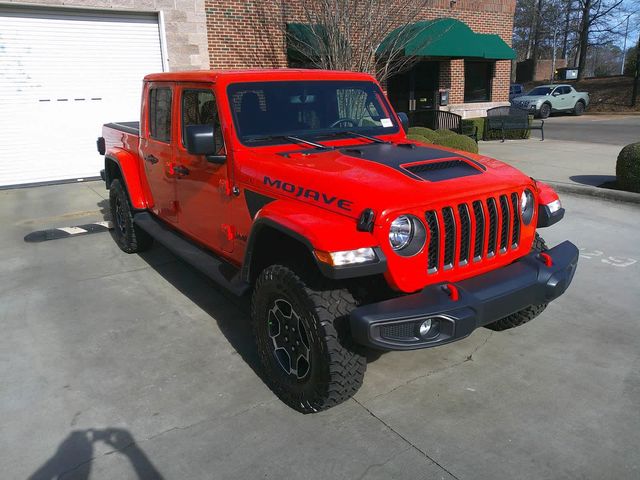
{"x": 199, "y": 108}
{"x": 160, "y": 114}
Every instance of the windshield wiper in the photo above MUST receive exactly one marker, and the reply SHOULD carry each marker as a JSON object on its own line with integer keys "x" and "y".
{"x": 291, "y": 139}
{"x": 355, "y": 134}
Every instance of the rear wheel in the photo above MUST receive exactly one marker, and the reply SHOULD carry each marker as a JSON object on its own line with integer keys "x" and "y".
{"x": 545, "y": 110}
{"x": 301, "y": 331}
{"x": 579, "y": 108}
{"x": 129, "y": 237}
{"x": 527, "y": 314}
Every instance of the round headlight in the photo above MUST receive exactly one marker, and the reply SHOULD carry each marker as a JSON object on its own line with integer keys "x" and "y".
{"x": 526, "y": 206}
{"x": 407, "y": 235}
{"x": 401, "y": 232}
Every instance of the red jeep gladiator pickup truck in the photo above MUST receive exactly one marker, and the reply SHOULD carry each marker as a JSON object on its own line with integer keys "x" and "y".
{"x": 301, "y": 187}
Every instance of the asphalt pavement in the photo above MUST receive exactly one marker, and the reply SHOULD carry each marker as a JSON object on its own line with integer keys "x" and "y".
{"x": 135, "y": 366}
{"x": 606, "y": 129}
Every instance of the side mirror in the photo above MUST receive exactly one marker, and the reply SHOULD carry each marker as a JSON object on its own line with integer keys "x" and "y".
{"x": 555, "y": 94}
{"x": 200, "y": 140}
{"x": 404, "y": 120}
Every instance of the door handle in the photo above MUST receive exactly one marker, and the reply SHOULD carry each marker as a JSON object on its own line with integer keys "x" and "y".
{"x": 151, "y": 159}
{"x": 181, "y": 170}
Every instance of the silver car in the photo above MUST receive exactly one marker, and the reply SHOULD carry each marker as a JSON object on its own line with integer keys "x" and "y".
{"x": 543, "y": 100}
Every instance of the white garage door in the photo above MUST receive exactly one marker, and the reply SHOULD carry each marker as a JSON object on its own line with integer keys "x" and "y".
{"x": 63, "y": 73}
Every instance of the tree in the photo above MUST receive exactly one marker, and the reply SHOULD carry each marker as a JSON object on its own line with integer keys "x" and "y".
{"x": 595, "y": 15}
{"x": 346, "y": 34}
{"x": 636, "y": 76}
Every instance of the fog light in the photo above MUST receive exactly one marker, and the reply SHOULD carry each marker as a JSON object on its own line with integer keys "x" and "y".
{"x": 425, "y": 328}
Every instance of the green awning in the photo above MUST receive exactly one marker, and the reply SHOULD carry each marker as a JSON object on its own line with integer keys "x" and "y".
{"x": 445, "y": 37}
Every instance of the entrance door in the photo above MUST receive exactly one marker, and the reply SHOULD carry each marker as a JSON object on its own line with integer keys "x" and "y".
{"x": 416, "y": 88}
{"x": 425, "y": 85}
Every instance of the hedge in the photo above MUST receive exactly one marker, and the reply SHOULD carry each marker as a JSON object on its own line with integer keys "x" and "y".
{"x": 457, "y": 142}
{"x": 418, "y": 138}
{"x": 445, "y": 138}
{"x": 628, "y": 168}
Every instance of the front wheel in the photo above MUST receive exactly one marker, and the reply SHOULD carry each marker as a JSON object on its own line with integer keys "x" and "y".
{"x": 527, "y": 314}
{"x": 302, "y": 338}
{"x": 545, "y": 110}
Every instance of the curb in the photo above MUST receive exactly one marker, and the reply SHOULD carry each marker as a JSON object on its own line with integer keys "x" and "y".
{"x": 631, "y": 113}
{"x": 606, "y": 193}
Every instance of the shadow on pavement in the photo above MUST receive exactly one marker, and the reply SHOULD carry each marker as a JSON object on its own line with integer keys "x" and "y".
{"x": 74, "y": 455}
{"x": 593, "y": 180}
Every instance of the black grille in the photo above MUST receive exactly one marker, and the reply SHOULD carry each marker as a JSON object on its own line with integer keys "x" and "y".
{"x": 504, "y": 227}
{"x": 493, "y": 226}
{"x": 398, "y": 331}
{"x": 449, "y": 236}
{"x": 478, "y": 213}
{"x": 434, "y": 241}
{"x": 465, "y": 234}
{"x": 515, "y": 234}
{"x": 455, "y": 227}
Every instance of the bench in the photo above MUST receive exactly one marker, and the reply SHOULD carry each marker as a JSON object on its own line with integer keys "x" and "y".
{"x": 511, "y": 118}
{"x": 442, "y": 120}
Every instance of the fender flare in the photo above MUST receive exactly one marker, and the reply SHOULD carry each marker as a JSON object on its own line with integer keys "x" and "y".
{"x": 329, "y": 271}
{"x": 547, "y": 195}
{"x": 128, "y": 165}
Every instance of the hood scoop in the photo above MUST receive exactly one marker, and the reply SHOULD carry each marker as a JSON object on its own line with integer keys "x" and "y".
{"x": 445, "y": 169}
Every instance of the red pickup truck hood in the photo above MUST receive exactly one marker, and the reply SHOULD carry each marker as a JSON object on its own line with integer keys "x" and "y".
{"x": 383, "y": 177}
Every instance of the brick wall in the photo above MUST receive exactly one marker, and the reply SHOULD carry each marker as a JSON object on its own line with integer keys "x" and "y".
{"x": 248, "y": 33}
{"x": 185, "y": 25}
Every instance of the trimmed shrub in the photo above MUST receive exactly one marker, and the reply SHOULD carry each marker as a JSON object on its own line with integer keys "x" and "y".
{"x": 418, "y": 138}
{"x": 424, "y": 132}
{"x": 628, "y": 168}
{"x": 457, "y": 142}
{"x": 443, "y": 132}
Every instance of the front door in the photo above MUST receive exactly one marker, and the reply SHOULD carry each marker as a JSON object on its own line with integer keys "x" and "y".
{"x": 415, "y": 89}
{"x": 425, "y": 85}
{"x": 157, "y": 150}
{"x": 202, "y": 188}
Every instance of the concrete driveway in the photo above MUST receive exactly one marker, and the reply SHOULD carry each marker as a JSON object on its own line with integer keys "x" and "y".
{"x": 606, "y": 129}
{"x": 117, "y": 366}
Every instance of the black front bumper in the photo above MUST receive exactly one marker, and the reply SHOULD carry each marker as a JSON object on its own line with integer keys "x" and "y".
{"x": 394, "y": 324}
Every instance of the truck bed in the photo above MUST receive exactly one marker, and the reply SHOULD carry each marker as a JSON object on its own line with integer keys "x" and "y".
{"x": 127, "y": 127}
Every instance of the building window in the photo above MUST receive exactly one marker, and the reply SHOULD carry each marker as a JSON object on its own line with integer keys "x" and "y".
{"x": 477, "y": 81}
{"x": 160, "y": 114}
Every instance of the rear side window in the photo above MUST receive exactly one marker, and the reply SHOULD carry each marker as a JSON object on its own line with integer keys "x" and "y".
{"x": 160, "y": 114}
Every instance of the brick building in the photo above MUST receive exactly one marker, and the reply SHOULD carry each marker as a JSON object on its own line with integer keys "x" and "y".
{"x": 67, "y": 66}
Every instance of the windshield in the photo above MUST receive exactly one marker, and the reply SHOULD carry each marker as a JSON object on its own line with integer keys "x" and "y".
{"x": 540, "y": 91}
{"x": 266, "y": 112}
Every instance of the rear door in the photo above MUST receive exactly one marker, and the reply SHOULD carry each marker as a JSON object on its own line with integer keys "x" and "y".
{"x": 203, "y": 190}
{"x": 156, "y": 138}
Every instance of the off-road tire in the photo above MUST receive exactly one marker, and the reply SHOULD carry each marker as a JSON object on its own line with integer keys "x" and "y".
{"x": 545, "y": 111}
{"x": 335, "y": 370}
{"x": 128, "y": 236}
{"x": 579, "y": 108}
{"x": 527, "y": 314}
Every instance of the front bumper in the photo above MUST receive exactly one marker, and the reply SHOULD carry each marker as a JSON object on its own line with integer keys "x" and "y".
{"x": 393, "y": 324}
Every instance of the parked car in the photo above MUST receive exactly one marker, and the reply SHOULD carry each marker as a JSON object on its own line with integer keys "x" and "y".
{"x": 543, "y": 100}
{"x": 301, "y": 188}
{"x": 515, "y": 90}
